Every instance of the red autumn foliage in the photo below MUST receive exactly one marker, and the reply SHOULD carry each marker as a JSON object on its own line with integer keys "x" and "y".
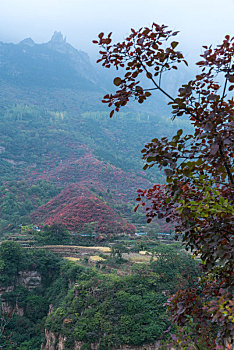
{"x": 198, "y": 195}
{"x": 76, "y": 206}
{"x": 90, "y": 170}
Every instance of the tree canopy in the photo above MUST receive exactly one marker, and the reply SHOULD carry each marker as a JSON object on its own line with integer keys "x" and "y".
{"x": 198, "y": 166}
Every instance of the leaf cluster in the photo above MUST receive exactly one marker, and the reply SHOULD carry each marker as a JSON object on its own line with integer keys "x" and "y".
{"x": 198, "y": 194}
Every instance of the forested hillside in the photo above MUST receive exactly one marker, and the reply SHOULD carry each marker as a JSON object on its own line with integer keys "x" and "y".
{"x": 116, "y": 175}
{"x": 59, "y": 151}
{"x": 68, "y": 183}
{"x": 46, "y": 300}
{"x": 44, "y": 151}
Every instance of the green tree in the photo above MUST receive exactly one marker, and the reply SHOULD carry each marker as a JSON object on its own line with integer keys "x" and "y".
{"x": 11, "y": 258}
{"x": 54, "y": 234}
{"x": 117, "y": 250}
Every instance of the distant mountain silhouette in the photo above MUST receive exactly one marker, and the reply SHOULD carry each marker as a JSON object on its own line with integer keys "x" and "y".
{"x": 55, "y": 64}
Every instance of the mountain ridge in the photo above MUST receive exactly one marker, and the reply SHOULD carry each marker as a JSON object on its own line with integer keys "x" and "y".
{"x": 54, "y": 133}
{"x": 55, "y": 63}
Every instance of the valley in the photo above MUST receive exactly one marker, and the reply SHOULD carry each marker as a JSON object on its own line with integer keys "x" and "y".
{"x": 79, "y": 268}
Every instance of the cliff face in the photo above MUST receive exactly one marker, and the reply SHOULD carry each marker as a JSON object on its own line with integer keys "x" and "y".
{"x": 6, "y": 308}
{"x": 50, "y": 341}
{"x": 54, "y": 342}
{"x": 27, "y": 279}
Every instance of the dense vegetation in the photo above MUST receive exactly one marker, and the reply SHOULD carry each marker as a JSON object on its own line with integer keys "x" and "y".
{"x": 43, "y": 151}
{"x": 54, "y": 132}
{"x": 39, "y": 138}
{"x": 89, "y": 305}
{"x": 24, "y": 331}
{"x": 62, "y": 163}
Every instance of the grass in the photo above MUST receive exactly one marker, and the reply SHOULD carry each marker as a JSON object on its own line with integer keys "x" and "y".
{"x": 70, "y": 258}
{"x": 99, "y": 248}
{"x": 96, "y": 258}
{"x": 140, "y": 258}
{"x": 144, "y": 252}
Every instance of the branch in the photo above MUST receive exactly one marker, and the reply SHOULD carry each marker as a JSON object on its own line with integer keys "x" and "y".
{"x": 154, "y": 82}
{"x": 225, "y": 85}
{"x": 163, "y": 91}
{"x": 226, "y": 165}
{"x": 150, "y": 89}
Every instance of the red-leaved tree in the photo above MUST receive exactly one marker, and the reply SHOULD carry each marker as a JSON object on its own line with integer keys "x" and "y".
{"x": 197, "y": 196}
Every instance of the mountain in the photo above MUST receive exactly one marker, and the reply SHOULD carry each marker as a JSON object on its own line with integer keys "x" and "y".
{"x": 55, "y": 64}
{"x": 53, "y": 75}
{"x": 57, "y": 142}
{"x": 48, "y": 159}
{"x": 76, "y": 206}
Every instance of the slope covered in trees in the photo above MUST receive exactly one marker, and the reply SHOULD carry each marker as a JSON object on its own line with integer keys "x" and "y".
{"x": 44, "y": 296}
{"x": 66, "y": 164}
{"x": 54, "y": 132}
{"x": 75, "y": 206}
{"x": 43, "y": 151}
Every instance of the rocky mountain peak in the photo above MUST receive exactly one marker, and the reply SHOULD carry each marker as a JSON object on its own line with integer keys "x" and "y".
{"x": 55, "y": 63}
{"x": 57, "y": 37}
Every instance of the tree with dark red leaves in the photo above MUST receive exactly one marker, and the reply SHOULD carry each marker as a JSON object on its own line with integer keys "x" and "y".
{"x": 197, "y": 196}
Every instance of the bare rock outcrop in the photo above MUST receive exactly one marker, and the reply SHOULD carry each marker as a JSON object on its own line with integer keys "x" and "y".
{"x": 6, "y": 308}
{"x": 58, "y": 343}
{"x": 28, "y": 279}
{"x": 50, "y": 341}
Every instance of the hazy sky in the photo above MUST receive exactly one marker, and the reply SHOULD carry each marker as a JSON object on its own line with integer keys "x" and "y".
{"x": 200, "y": 22}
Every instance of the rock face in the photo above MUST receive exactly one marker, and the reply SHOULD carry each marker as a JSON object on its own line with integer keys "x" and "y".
{"x": 5, "y": 289}
{"x": 2, "y": 149}
{"x": 58, "y": 343}
{"x": 57, "y": 37}
{"x": 28, "y": 279}
{"x": 6, "y": 308}
{"x": 50, "y": 341}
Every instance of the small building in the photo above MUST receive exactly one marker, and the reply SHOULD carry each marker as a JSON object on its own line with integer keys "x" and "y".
{"x": 139, "y": 234}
